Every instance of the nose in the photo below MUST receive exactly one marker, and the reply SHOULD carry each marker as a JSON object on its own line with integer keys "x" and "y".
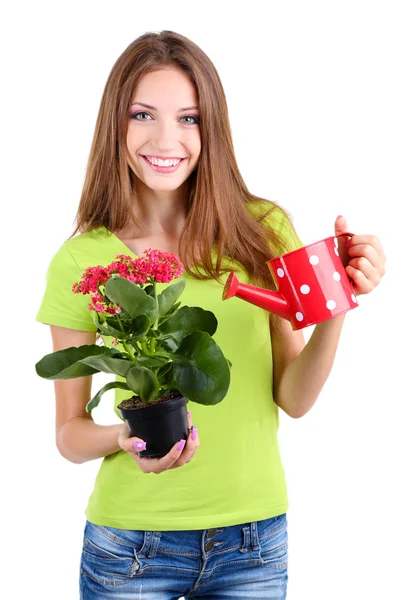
{"x": 165, "y": 136}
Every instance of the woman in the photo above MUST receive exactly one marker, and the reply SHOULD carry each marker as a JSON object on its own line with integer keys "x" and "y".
{"x": 162, "y": 174}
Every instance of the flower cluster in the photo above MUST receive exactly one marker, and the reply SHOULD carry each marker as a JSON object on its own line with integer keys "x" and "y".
{"x": 155, "y": 267}
{"x": 147, "y": 327}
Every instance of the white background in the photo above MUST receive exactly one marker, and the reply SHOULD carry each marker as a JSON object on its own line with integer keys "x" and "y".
{"x": 324, "y": 104}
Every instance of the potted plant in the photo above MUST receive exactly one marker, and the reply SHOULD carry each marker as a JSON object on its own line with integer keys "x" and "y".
{"x": 166, "y": 354}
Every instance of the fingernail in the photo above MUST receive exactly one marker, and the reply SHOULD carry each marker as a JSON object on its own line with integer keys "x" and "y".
{"x": 194, "y": 433}
{"x": 348, "y": 243}
{"x": 189, "y": 413}
{"x": 181, "y": 445}
{"x": 139, "y": 445}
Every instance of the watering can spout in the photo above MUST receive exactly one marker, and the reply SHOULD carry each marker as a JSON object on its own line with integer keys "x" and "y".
{"x": 267, "y": 299}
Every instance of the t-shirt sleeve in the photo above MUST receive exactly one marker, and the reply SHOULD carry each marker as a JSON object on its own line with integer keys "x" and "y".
{"x": 59, "y": 305}
{"x": 281, "y": 223}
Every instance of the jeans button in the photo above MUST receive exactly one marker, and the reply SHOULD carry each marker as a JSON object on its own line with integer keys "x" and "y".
{"x": 211, "y": 533}
{"x": 209, "y": 545}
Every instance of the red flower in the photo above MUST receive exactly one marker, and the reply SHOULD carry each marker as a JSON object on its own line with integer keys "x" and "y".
{"x": 155, "y": 267}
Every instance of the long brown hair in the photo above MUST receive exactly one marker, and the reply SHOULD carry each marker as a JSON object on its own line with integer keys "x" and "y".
{"x": 218, "y": 199}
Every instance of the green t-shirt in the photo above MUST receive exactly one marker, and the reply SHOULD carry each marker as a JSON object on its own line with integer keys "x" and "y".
{"x": 236, "y": 475}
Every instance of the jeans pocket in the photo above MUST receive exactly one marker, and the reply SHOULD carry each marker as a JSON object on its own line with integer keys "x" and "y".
{"x": 108, "y": 557}
{"x": 273, "y": 540}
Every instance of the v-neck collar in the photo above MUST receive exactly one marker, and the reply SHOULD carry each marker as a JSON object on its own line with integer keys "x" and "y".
{"x": 119, "y": 242}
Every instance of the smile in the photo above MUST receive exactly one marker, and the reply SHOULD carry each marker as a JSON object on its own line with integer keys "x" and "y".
{"x": 163, "y": 162}
{"x": 168, "y": 165}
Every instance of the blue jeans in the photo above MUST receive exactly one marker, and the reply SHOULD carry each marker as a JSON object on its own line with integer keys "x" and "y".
{"x": 239, "y": 561}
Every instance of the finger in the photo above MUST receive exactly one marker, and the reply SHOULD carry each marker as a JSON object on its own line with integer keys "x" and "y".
{"x": 158, "y": 465}
{"x": 134, "y": 446}
{"x": 371, "y": 273}
{"x": 371, "y": 240}
{"x": 370, "y": 253}
{"x": 361, "y": 283}
{"x": 340, "y": 225}
{"x": 191, "y": 447}
{"x": 128, "y": 442}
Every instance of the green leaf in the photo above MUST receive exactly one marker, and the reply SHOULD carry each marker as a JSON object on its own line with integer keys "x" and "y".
{"x": 169, "y": 345}
{"x": 201, "y": 372}
{"x": 140, "y": 326}
{"x": 114, "y": 322}
{"x": 108, "y": 330}
{"x": 165, "y": 375}
{"x": 170, "y": 313}
{"x": 143, "y": 382}
{"x": 64, "y": 364}
{"x": 164, "y": 370}
{"x": 109, "y": 386}
{"x": 150, "y": 361}
{"x": 132, "y": 298}
{"x": 173, "y": 309}
{"x": 169, "y": 296}
{"x": 117, "y": 366}
{"x": 187, "y": 320}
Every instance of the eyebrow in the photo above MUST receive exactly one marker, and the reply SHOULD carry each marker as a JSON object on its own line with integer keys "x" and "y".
{"x": 154, "y": 107}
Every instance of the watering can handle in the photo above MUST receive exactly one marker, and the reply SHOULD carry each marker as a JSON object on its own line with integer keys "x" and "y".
{"x": 345, "y": 233}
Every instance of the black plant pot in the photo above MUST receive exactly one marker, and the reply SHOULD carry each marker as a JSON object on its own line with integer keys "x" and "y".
{"x": 159, "y": 425}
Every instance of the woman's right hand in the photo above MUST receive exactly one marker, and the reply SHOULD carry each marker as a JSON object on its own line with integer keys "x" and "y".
{"x": 175, "y": 458}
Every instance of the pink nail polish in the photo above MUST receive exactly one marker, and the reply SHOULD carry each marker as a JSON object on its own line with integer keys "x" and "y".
{"x": 189, "y": 413}
{"x": 180, "y": 446}
{"x": 194, "y": 433}
{"x": 139, "y": 446}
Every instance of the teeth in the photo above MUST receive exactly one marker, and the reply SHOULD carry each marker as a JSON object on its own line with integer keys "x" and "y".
{"x": 169, "y": 162}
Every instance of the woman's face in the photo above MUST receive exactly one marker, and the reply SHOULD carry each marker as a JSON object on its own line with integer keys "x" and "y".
{"x": 164, "y": 124}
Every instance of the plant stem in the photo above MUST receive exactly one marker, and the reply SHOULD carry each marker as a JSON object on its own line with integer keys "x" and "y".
{"x": 136, "y": 346}
{"x": 127, "y": 349}
{"x": 157, "y": 304}
{"x": 162, "y": 354}
{"x": 119, "y": 322}
{"x": 154, "y": 326}
{"x": 145, "y": 349}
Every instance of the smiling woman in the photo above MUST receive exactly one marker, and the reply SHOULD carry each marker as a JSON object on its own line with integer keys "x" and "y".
{"x": 162, "y": 174}
{"x": 164, "y": 140}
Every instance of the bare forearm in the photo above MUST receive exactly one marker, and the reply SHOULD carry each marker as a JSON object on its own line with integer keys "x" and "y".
{"x": 81, "y": 440}
{"x": 304, "y": 377}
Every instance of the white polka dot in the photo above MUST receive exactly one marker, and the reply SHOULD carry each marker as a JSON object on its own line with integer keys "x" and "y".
{"x": 331, "y": 304}
{"x": 336, "y": 251}
{"x": 314, "y": 260}
{"x": 305, "y": 289}
{"x": 299, "y": 316}
{"x": 280, "y": 272}
{"x": 336, "y": 276}
{"x": 353, "y": 297}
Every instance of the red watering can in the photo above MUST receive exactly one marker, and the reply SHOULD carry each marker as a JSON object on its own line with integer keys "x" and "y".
{"x": 312, "y": 284}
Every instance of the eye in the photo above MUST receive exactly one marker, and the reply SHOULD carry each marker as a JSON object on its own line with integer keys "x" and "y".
{"x": 196, "y": 120}
{"x": 135, "y": 115}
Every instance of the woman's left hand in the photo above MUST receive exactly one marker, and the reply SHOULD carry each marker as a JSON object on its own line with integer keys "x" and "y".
{"x": 366, "y": 266}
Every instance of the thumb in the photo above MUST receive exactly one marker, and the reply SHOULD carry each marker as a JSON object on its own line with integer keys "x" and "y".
{"x": 128, "y": 442}
{"x": 340, "y": 225}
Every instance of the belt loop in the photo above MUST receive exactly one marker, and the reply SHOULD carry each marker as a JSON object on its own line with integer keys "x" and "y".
{"x": 254, "y": 536}
{"x": 154, "y": 543}
{"x": 245, "y": 539}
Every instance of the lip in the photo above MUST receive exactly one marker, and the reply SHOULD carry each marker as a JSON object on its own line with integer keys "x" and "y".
{"x": 163, "y": 157}
{"x": 158, "y": 169}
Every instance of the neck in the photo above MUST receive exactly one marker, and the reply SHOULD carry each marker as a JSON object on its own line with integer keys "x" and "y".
{"x": 157, "y": 212}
